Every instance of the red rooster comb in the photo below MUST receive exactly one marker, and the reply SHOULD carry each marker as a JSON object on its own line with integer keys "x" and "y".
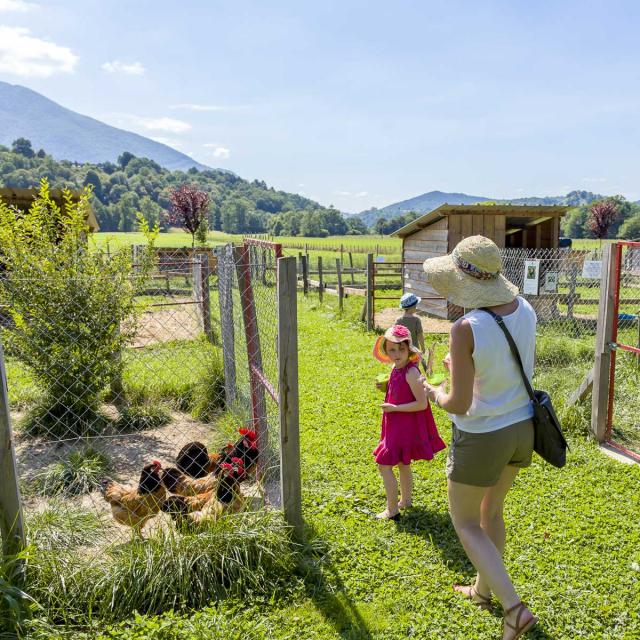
{"x": 156, "y": 463}
{"x": 249, "y": 433}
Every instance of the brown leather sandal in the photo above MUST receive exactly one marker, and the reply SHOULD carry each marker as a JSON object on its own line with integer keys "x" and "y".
{"x": 484, "y": 602}
{"x": 518, "y": 629}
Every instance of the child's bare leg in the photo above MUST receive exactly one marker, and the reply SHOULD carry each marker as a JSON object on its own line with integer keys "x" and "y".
{"x": 406, "y": 485}
{"x": 391, "y": 490}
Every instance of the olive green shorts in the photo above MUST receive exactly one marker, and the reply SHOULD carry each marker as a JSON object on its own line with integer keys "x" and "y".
{"x": 479, "y": 458}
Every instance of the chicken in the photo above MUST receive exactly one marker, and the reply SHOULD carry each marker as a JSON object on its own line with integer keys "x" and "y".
{"x": 245, "y": 449}
{"x": 194, "y": 460}
{"x": 228, "y": 499}
{"x": 177, "y": 482}
{"x": 135, "y": 506}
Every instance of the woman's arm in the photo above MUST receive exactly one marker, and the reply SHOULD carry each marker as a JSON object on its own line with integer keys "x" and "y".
{"x": 419, "y": 393}
{"x": 459, "y": 399}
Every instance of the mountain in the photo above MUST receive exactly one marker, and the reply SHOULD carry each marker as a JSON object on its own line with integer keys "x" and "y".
{"x": 67, "y": 135}
{"x": 433, "y": 199}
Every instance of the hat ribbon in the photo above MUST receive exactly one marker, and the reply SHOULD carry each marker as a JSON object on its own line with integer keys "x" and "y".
{"x": 471, "y": 269}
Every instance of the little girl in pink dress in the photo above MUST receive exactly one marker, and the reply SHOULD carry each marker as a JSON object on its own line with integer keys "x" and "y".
{"x": 408, "y": 429}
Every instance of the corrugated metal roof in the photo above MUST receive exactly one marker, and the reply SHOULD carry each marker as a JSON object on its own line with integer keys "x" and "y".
{"x": 513, "y": 210}
{"x": 24, "y": 197}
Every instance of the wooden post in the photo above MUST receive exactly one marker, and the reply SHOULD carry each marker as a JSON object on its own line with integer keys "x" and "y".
{"x": 602, "y": 367}
{"x": 290, "y": 481}
{"x": 340, "y": 287}
{"x": 370, "y": 296}
{"x": 573, "y": 277}
{"x": 205, "y": 273}
{"x": 254, "y": 353}
{"x": 11, "y": 523}
{"x": 353, "y": 280}
{"x": 225, "y": 300}
{"x": 320, "y": 287}
{"x": 300, "y": 263}
{"x": 264, "y": 266}
{"x": 305, "y": 275}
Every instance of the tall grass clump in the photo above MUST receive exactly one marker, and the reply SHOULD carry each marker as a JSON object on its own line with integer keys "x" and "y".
{"x": 16, "y": 606}
{"x": 135, "y": 418}
{"x": 77, "y": 473}
{"x": 238, "y": 555}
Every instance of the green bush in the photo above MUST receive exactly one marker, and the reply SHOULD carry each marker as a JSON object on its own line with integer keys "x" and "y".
{"x": 78, "y": 473}
{"x": 72, "y": 309}
{"x": 141, "y": 417}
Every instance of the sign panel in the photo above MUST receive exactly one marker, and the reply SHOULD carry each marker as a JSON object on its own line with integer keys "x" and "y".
{"x": 592, "y": 269}
{"x": 551, "y": 282}
{"x": 531, "y": 277}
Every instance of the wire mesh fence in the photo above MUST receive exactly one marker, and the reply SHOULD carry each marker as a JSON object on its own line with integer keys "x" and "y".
{"x": 146, "y": 396}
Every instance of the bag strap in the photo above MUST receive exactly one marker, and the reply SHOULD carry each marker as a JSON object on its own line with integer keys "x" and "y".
{"x": 514, "y": 350}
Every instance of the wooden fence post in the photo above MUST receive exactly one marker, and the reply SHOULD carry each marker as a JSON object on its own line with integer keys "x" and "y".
{"x": 340, "y": 287}
{"x": 201, "y": 292}
{"x": 320, "y": 278}
{"x": 227, "y": 331}
{"x": 264, "y": 266}
{"x": 602, "y": 367}
{"x": 573, "y": 277}
{"x": 353, "y": 279}
{"x": 290, "y": 481}
{"x": 370, "y": 295}
{"x": 305, "y": 275}
{"x": 11, "y": 523}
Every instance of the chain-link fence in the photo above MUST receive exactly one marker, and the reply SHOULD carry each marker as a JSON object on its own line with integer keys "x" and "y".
{"x": 143, "y": 396}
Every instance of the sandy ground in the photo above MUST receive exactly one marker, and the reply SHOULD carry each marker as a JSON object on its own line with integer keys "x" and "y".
{"x": 385, "y": 318}
{"x": 180, "y": 322}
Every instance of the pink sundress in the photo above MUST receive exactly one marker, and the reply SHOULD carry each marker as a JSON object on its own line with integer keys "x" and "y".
{"x": 406, "y": 436}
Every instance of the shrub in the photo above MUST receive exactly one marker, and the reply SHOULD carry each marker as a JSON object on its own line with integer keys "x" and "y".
{"x": 72, "y": 309}
{"x": 80, "y": 472}
{"x": 141, "y": 417}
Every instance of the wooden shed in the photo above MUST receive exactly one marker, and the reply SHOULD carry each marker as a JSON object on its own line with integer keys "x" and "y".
{"x": 437, "y": 233}
{"x": 23, "y": 199}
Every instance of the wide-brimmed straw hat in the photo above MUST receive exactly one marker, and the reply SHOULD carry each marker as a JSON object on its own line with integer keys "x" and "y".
{"x": 470, "y": 276}
{"x": 397, "y": 334}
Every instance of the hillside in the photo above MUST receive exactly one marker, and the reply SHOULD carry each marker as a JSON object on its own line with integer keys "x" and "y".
{"x": 433, "y": 199}
{"x": 67, "y": 135}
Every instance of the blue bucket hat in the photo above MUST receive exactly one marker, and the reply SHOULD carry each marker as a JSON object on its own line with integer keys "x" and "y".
{"x": 409, "y": 300}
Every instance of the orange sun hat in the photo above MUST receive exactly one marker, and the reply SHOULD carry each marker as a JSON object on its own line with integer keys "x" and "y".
{"x": 397, "y": 333}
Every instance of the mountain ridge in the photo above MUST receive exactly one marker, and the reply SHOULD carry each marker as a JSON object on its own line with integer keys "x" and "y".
{"x": 68, "y": 135}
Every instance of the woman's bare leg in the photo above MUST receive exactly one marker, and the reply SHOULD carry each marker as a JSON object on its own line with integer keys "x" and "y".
{"x": 406, "y": 485}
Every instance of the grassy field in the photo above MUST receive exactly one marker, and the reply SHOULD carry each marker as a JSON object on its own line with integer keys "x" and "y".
{"x": 574, "y": 535}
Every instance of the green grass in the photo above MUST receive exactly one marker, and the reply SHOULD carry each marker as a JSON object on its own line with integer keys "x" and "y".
{"x": 78, "y": 473}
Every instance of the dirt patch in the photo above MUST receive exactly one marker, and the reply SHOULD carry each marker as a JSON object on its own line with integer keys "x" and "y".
{"x": 172, "y": 323}
{"x": 385, "y": 318}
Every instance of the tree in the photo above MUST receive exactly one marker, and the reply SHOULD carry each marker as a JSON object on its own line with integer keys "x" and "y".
{"x": 93, "y": 179}
{"x": 189, "y": 206}
{"x": 42, "y": 153}
{"x": 630, "y": 230}
{"x": 125, "y": 159}
{"x": 601, "y": 216}
{"x": 23, "y": 147}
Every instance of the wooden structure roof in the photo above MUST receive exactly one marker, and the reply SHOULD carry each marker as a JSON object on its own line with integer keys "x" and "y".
{"x": 23, "y": 198}
{"x": 524, "y": 214}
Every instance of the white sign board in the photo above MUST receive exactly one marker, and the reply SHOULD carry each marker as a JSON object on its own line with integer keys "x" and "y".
{"x": 531, "y": 277}
{"x": 592, "y": 269}
{"x": 551, "y": 282}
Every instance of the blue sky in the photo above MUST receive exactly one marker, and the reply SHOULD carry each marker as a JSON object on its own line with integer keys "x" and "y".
{"x": 354, "y": 103}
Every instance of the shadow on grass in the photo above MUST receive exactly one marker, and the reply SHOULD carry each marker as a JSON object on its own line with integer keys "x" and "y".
{"x": 437, "y": 528}
{"x": 324, "y": 586}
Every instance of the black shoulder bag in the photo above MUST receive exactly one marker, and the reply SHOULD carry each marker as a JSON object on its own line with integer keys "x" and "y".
{"x": 548, "y": 441}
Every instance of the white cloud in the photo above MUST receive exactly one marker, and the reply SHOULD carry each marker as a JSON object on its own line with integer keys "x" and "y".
{"x": 16, "y": 5}
{"x": 161, "y": 124}
{"x": 197, "y": 107}
{"x": 217, "y": 151}
{"x": 595, "y": 180}
{"x": 128, "y": 68}
{"x": 346, "y": 194}
{"x": 24, "y": 55}
{"x": 361, "y": 194}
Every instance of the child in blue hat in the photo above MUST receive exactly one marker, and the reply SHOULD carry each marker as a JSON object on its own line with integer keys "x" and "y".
{"x": 409, "y": 303}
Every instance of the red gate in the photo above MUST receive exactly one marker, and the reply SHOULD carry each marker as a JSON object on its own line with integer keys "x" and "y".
{"x": 615, "y": 345}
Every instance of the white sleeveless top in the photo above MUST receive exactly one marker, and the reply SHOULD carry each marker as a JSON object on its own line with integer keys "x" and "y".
{"x": 499, "y": 395}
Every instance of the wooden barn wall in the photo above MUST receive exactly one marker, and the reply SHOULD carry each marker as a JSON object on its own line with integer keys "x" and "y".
{"x": 464, "y": 225}
{"x": 430, "y": 242}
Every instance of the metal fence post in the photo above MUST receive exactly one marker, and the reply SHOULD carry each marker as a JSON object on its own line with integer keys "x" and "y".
{"x": 225, "y": 300}
{"x": 11, "y": 522}
{"x": 370, "y": 294}
{"x": 602, "y": 366}
{"x": 288, "y": 385}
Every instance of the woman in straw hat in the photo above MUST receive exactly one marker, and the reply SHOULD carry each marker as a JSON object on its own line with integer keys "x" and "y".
{"x": 491, "y": 413}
